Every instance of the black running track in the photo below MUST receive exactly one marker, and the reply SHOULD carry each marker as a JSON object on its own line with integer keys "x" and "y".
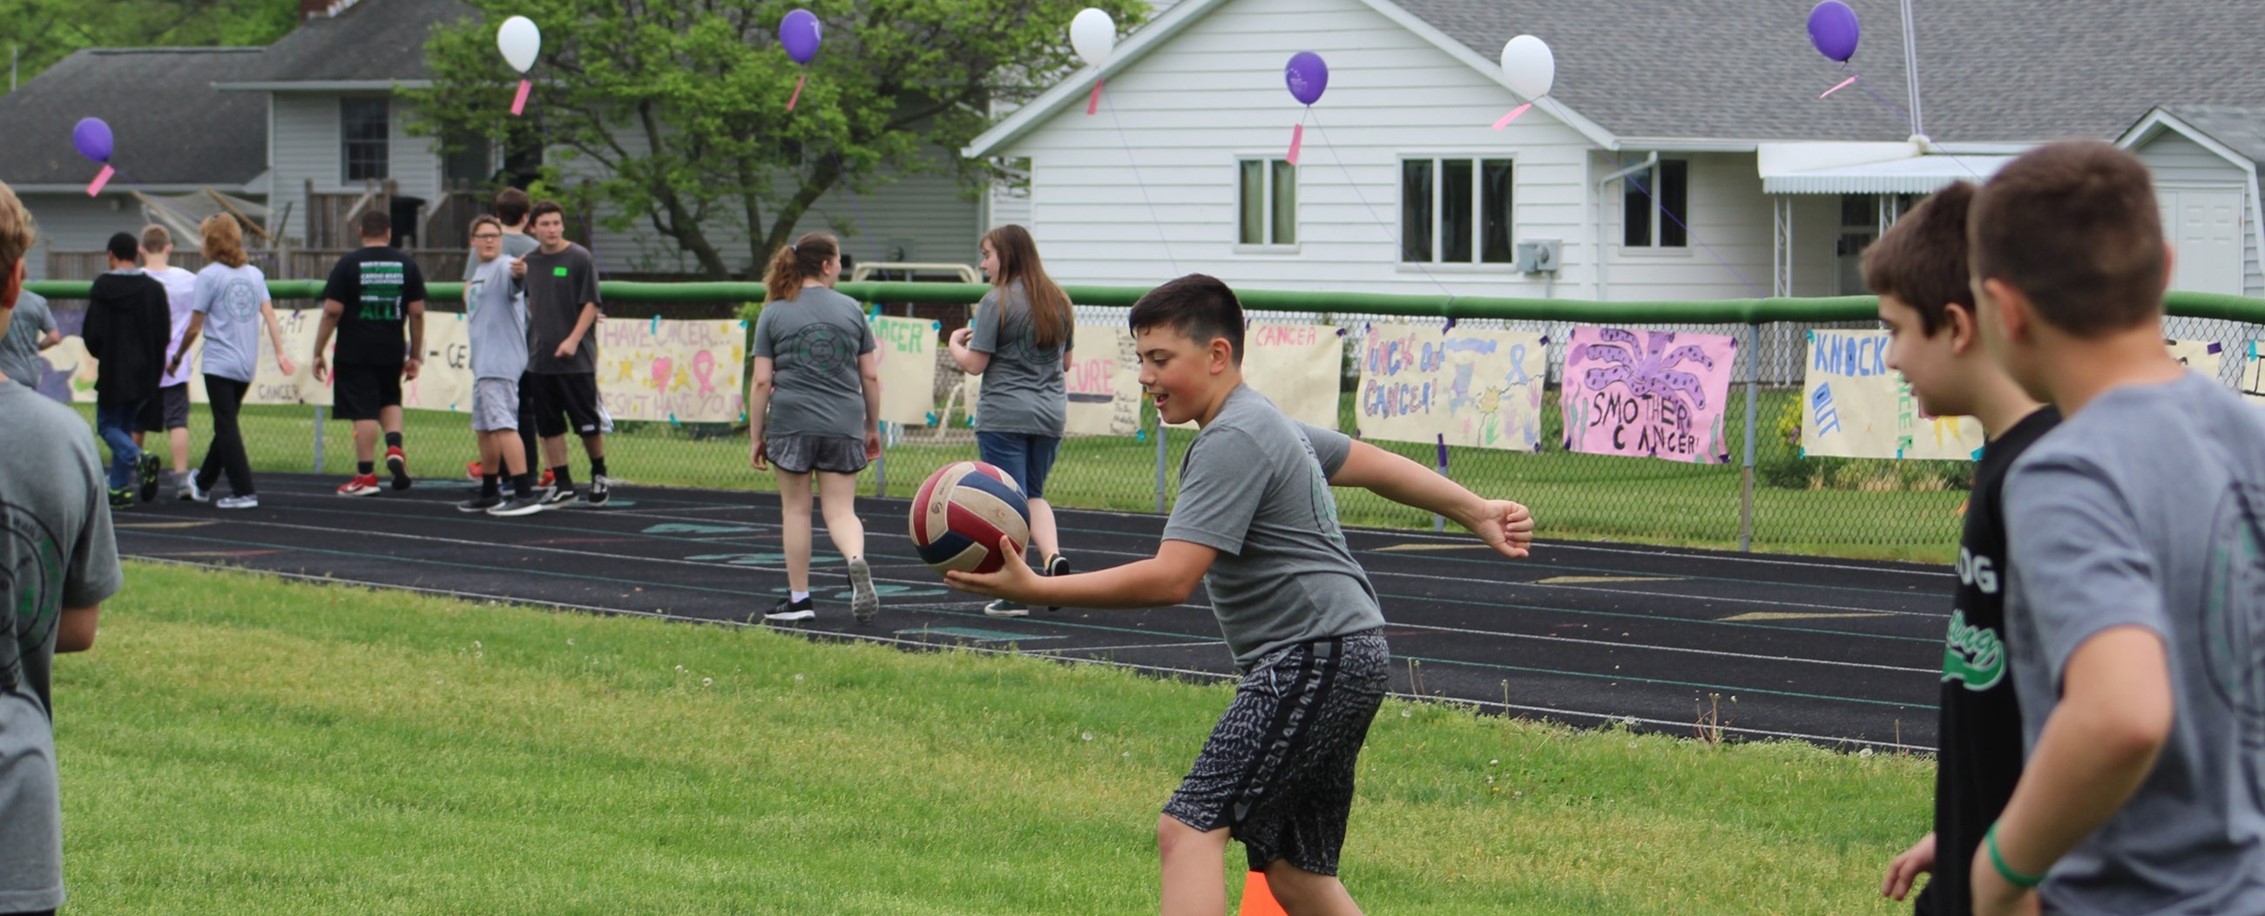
{"x": 1840, "y": 653}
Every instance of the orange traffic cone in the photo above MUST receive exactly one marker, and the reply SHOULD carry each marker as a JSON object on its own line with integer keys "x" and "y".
{"x": 1257, "y": 900}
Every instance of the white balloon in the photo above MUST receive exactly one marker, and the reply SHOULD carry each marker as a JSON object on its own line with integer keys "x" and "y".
{"x": 520, "y": 41}
{"x": 1529, "y": 66}
{"x": 1093, "y": 35}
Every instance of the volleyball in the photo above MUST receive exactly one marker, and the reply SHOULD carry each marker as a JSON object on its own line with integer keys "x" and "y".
{"x": 961, "y": 512}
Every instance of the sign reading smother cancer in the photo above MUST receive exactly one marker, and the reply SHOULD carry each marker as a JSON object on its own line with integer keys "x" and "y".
{"x": 908, "y": 368}
{"x": 681, "y": 371}
{"x": 1658, "y": 394}
{"x": 1854, "y": 406}
{"x": 1466, "y": 386}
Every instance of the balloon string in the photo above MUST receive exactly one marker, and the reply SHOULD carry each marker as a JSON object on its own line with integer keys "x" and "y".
{"x": 1161, "y": 237}
{"x": 1422, "y": 267}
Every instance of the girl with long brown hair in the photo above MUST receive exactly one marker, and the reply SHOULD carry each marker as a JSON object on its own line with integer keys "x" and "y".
{"x": 231, "y": 305}
{"x": 1020, "y": 344}
{"x": 813, "y": 410}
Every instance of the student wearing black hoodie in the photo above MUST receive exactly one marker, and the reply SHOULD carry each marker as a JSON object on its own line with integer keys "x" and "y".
{"x": 128, "y": 325}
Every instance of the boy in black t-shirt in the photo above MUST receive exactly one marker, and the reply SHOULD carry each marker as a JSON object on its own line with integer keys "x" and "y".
{"x": 1919, "y": 270}
{"x": 372, "y": 293}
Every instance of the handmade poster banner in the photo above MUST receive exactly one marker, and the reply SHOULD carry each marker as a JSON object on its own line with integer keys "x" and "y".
{"x": 2252, "y": 373}
{"x": 908, "y": 368}
{"x": 1658, "y": 394}
{"x": 1854, "y": 406}
{"x": 1463, "y": 387}
{"x": 2204, "y": 356}
{"x": 444, "y": 372}
{"x": 1103, "y": 382}
{"x": 1296, "y": 366}
{"x": 675, "y": 371}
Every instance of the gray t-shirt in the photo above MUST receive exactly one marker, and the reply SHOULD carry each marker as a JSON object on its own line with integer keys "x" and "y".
{"x": 181, "y": 300}
{"x": 58, "y": 551}
{"x": 19, "y": 349}
{"x": 1022, "y": 388}
{"x": 1255, "y": 487}
{"x": 496, "y": 311}
{"x": 2147, "y": 508}
{"x": 230, "y": 297}
{"x": 558, "y": 285}
{"x": 814, "y": 340}
{"x": 515, "y": 245}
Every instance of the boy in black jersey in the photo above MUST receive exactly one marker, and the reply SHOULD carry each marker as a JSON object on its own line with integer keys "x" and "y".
{"x": 1919, "y": 270}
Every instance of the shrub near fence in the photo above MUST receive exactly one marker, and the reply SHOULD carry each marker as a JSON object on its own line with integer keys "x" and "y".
{"x": 1769, "y": 496}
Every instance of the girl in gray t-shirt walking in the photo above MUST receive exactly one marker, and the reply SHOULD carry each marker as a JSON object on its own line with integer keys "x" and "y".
{"x": 1020, "y": 344}
{"x": 813, "y": 409}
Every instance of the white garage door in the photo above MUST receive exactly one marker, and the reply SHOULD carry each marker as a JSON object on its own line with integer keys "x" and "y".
{"x": 2204, "y": 227}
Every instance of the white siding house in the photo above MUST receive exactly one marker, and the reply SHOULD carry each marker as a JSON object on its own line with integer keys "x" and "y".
{"x": 1173, "y": 174}
{"x": 2205, "y": 164}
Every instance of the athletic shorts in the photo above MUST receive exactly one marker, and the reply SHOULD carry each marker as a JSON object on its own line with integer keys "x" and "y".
{"x": 495, "y": 405}
{"x": 360, "y": 392}
{"x": 803, "y": 454}
{"x": 564, "y": 402}
{"x": 169, "y": 410}
{"x": 1278, "y": 768}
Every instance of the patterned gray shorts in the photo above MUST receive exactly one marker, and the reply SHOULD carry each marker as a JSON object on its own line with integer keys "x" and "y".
{"x": 495, "y": 404}
{"x": 803, "y": 454}
{"x": 1278, "y": 767}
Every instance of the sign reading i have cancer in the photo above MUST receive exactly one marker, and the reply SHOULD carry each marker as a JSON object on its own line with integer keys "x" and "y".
{"x": 1658, "y": 394}
{"x": 1854, "y": 406}
{"x": 683, "y": 371}
{"x": 1466, "y": 386}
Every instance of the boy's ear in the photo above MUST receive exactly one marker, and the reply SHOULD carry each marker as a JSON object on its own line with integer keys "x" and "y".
{"x": 2014, "y": 314}
{"x": 1220, "y": 355}
{"x": 12, "y": 285}
{"x": 1959, "y": 322}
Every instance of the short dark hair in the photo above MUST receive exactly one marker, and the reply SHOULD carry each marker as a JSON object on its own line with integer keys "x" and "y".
{"x": 511, "y": 206}
{"x": 376, "y": 224}
{"x": 124, "y": 246}
{"x": 1198, "y": 306}
{"x": 545, "y": 206}
{"x": 2074, "y": 227}
{"x": 1922, "y": 259}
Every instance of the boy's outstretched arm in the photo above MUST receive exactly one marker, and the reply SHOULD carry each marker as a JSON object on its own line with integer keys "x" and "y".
{"x": 1504, "y": 525}
{"x": 1166, "y": 579}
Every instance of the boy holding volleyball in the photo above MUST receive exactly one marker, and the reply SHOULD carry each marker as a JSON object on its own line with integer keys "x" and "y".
{"x": 1256, "y": 517}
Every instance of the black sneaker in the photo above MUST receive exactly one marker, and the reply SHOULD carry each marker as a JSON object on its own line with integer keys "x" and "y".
{"x": 149, "y": 477}
{"x": 518, "y": 506}
{"x": 479, "y": 503}
{"x": 558, "y": 495}
{"x": 1056, "y": 565}
{"x": 121, "y": 498}
{"x": 599, "y": 484}
{"x": 789, "y": 609}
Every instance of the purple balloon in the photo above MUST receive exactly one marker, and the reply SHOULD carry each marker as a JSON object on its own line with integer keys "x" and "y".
{"x": 1832, "y": 28}
{"x": 799, "y": 33}
{"x": 92, "y": 137}
{"x": 1307, "y": 76}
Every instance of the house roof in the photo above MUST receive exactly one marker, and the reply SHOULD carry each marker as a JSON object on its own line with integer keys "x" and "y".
{"x": 1652, "y": 73}
{"x": 369, "y": 44}
{"x": 170, "y": 127}
{"x": 2239, "y": 129}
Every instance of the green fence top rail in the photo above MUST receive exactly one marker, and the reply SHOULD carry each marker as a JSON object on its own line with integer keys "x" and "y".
{"x": 1710, "y": 311}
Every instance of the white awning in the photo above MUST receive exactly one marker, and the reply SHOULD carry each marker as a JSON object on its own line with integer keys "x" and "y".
{"x": 1869, "y": 168}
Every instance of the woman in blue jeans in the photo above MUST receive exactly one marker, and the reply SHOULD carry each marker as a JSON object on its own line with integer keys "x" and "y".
{"x": 1020, "y": 344}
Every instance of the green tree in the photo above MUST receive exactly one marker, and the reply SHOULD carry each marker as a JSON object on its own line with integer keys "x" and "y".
{"x": 681, "y": 107}
{"x": 40, "y": 32}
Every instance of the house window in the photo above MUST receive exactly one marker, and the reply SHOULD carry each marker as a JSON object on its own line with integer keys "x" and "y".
{"x": 1456, "y": 211}
{"x": 364, "y": 129}
{"x": 1266, "y": 199}
{"x": 1652, "y": 206}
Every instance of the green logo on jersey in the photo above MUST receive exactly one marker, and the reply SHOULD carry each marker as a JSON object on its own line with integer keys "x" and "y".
{"x": 1973, "y": 655}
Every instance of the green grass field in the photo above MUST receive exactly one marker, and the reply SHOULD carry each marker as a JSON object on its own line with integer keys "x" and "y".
{"x": 237, "y": 744}
{"x": 1874, "y": 509}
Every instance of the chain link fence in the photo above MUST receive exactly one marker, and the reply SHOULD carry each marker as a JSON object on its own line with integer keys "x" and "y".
{"x": 1778, "y": 500}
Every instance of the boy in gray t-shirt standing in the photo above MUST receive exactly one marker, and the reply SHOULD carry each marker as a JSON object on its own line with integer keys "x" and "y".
{"x": 58, "y": 562}
{"x": 495, "y": 310}
{"x": 2137, "y": 529}
{"x": 1255, "y": 519}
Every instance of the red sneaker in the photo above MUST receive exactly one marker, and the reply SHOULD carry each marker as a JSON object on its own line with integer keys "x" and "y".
{"x": 398, "y": 463}
{"x": 473, "y": 470}
{"x": 361, "y": 485}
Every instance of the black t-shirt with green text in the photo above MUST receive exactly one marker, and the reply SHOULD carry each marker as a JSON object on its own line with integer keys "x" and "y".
{"x": 376, "y": 285}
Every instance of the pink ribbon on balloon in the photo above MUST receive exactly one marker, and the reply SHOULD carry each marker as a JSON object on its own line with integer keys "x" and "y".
{"x": 1093, "y": 102}
{"x": 100, "y": 178}
{"x": 797, "y": 96}
{"x": 1843, "y": 85}
{"x": 1512, "y": 116}
{"x": 1297, "y": 139}
{"x": 519, "y": 102}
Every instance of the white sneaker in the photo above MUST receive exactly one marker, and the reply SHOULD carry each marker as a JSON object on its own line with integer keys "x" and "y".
{"x": 251, "y": 501}
{"x": 864, "y": 602}
{"x": 189, "y": 492}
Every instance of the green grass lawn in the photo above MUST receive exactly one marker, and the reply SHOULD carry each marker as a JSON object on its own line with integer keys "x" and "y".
{"x": 237, "y": 744}
{"x": 1876, "y": 509}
